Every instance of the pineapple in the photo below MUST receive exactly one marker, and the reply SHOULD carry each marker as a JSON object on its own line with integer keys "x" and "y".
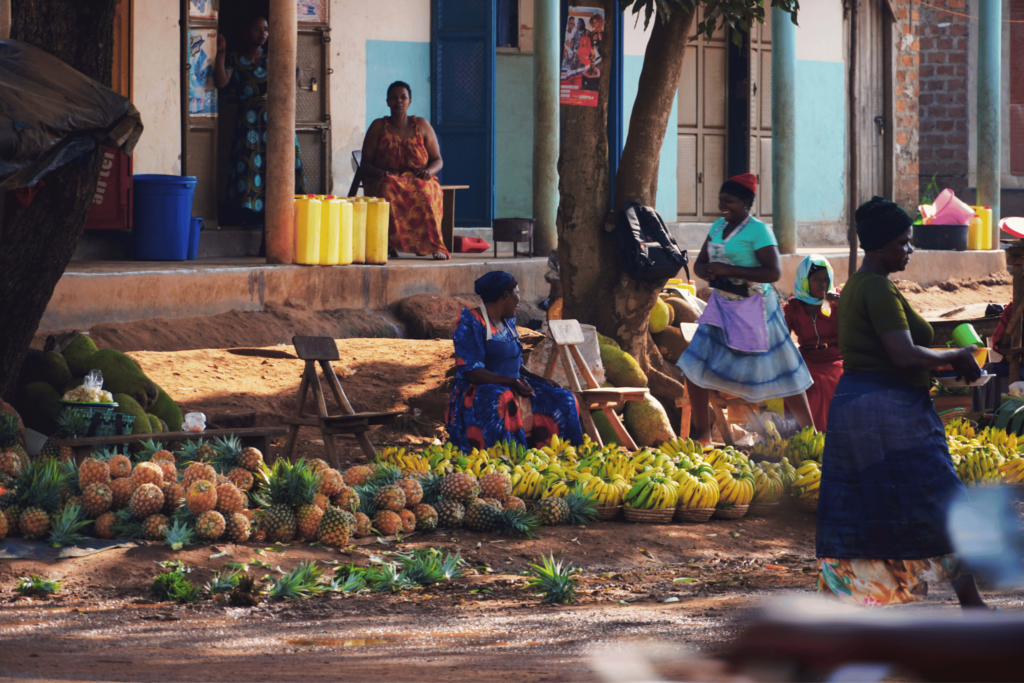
{"x": 38, "y": 494}
{"x": 307, "y": 520}
{"x": 450, "y": 513}
{"x": 205, "y": 452}
{"x": 168, "y": 470}
{"x": 552, "y": 511}
{"x": 347, "y": 499}
{"x": 318, "y": 465}
{"x": 3, "y": 525}
{"x": 230, "y": 499}
{"x": 237, "y": 528}
{"x": 321, "y": 501}
{"x": 155, "y": 527}
{"x": 147, "y": 473}
{"x": 174, "y": 496}
{"x": 431, "y": 485}
{"x": 388, "y": 522}
{"x": 390, "y": 498}
{"x": 413, "y": 490}
{"x": 250, "y": 459}
{"x": 71, "y": 424}
{"x": 163, "y": 456}
{"x": 10, "y": 436}
{"x": 497, "y": 485}
{"x": 121, "y": 490}
{"x": 482, "y": 517}
{"x": 96, "y": 500}
{"x": 408, "y": 521}
{"x": 283, "y": 488}
{"x": 11, "y": 464}
{"x": 460, "y": 486}
{"x": 201, "y": 497}
{"x": 241, "y": 478}
{"x": 493, "y": 502}
{"x": 514, "y": 503}
{"x": 226, "y": 452}
{"x": 93, "y": 471}
{"x": 120, "y": 466}
{"x": 210, "y": 526}
{"x": 12, "y": 514}
{"x": 332, "y": 482}
{"x": 356, "y": 476}
{"x": 363, "y": 526}
{"x": 147, "y": 500}
{"x": 335, "y": 527}
{"x": 104, "y": 525}
{"x": 146, "y": 449}
{"x": 582, "y": 506}
{"x": 33, "y": 523}
{"x": 198, "y": 471}
{"x": 426, "y": 517}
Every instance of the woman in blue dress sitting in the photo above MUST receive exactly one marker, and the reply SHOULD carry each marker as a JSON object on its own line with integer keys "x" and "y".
{"x": 495, "y": 398}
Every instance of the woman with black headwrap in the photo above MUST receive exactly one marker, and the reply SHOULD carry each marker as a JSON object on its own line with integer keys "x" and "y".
{"x": 887, "y": 477}
{"x": 495, "y": 398}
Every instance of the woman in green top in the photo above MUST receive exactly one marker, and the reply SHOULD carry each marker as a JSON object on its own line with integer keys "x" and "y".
{"x": 887, "y": 478}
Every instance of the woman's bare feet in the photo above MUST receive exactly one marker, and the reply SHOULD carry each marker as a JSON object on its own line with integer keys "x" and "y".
{"x": 441, "y": 256}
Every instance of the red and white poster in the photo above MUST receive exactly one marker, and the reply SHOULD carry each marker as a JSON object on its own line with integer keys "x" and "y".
{"x": 581, "y": 56}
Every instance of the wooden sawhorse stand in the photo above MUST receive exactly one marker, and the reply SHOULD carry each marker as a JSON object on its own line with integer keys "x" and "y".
{"x": 323, "y": 350}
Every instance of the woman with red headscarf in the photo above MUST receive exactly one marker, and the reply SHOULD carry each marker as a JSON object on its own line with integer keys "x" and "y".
{"x": 742, "y": 346}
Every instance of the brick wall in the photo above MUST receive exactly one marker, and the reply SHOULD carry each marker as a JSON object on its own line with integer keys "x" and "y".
{"x": 943, "y": 38}
{"x": 905, "y": 103}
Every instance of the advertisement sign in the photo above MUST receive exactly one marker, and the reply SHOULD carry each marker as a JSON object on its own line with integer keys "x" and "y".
{"x": 581, "y": 56}
{"x": 201, "y": 9}
{"x": 202, "y": 51}
{"x": 312, "y": 11}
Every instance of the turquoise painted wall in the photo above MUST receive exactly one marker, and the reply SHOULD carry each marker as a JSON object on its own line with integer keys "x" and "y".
{"x": 820, "y": 141}
{"x": 514, "y": 143}
{"x": 388, "y": 61}
{"x": 666, "y": 203}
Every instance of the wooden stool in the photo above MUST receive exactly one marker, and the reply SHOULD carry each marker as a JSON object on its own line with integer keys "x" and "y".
{"x": 322, "y": 350}
{"x": 721, "y": 402}
{"x": 567, "y": 335}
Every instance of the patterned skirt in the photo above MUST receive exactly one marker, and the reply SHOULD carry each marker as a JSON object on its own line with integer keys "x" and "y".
{"x": 883, "y": 582}
{"x": 754, "y": 377}
{"x": 416, "y": 208}
{"x": 481, "y": 415}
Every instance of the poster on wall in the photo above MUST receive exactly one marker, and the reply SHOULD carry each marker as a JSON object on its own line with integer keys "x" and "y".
{"x": 201, "y": 9}
{"x": 202, "y": 51}
{"x": 581, "y": 57}
{"x": 312, "y": 11}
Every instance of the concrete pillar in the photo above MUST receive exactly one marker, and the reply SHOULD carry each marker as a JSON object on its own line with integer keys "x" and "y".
{"x": 990, "y": 15}
{"x": 5, "y": 19}
{"x": 280, "y": 188}
{"x": 546, "y": 63}
{"x": 784, "y": 131}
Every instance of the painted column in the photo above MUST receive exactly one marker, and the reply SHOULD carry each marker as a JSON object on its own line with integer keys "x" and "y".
{"x": 546, "y": 64}
{"x": 280, "y": 179}
{"x": 990, "y": 15}
{"x": 5, "y": 19}
{"x": 784, "y": 131}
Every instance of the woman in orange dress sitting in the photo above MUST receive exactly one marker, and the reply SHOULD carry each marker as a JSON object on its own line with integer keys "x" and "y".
{"x": 401, "y": 158}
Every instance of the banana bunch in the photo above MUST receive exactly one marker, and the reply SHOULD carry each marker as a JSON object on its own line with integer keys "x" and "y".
{"x": 478, "y": 463}
{"x": 679, "y": 447}
{"x": 698, "y": 490}
{"x": 558, "y": 488}
{"x": 807, "y": 444}
{"x": 560, "y": 449}
{"x": 768, "y": 486}
{"x": 527, "y": 482}
{"x": 962, "y": 427}
{"x": 771, "y": 449}
{"x": 406, "y": 462}
{"x": 1012, "y": 471}
{"x": 616, "y": 464}
{"x": 440, "y": 457}
{"x": 1005, "y": 441}
{"x": 607, "y": 493}
{"x": 808, "y": 480}
{"x": 652, "y": 493}
{"x": 787, "y": 472}
{"x": 735, "y": 487}
{"x": 978, "y": 465}
{"x": 511, "y": 452}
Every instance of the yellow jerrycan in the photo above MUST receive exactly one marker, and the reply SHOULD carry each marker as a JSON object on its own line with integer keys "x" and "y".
{"x": 377, "y": 213}
{"x": 345, "y": 233}
{"x": 308, "y": 214}
{"x": 359, "y": 230}
{"x": 330, "y": 224}
{"x": 985, "y": 232}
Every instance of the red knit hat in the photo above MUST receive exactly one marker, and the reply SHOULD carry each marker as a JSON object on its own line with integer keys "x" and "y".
{"x": 743, "y": 186}
{"x": 747, "y": 180}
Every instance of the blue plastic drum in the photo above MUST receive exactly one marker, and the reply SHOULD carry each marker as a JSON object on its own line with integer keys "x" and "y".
{"x": 162, "y": 217}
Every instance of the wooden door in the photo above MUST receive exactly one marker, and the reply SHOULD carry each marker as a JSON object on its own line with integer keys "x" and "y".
{"x": 872, "y": 108}
{"x": 313, "y": 105}
{"x": 702, "y": 136}
{"x": 200, "y": 105}
{"x": 761, "y": 115}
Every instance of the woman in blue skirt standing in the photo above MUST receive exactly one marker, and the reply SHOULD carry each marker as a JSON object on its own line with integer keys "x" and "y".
{"x": 742, "y": 346}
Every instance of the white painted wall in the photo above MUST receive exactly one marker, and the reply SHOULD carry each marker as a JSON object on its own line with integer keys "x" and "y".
{"x": 820, "y": 36}
{"x": 156, "y": 86}
{"x": 353, "y": 22}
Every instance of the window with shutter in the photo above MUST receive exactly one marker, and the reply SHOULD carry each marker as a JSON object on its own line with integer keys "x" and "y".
{"x": 1017, "y": 87}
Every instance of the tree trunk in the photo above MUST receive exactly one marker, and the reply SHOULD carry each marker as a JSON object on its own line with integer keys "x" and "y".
{"x": 596, "y": 289}
{"x": 37, "y": 242}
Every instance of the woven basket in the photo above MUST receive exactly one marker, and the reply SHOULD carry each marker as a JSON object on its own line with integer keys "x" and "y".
{"x": 607, "y": 514}
{"x": 762, "y": 509}
{"x": 648, "y": 516}
{"x": 732, "y": 512}
{"x": 693, "y": 514}
{"x": 807, "y": 505}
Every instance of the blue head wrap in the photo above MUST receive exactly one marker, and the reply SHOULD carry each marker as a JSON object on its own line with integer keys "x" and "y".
{"x": 802, "y": 286}
{"x": 492, "y": 285}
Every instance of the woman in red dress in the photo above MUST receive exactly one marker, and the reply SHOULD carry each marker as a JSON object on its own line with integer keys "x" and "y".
{"x": 812, "y": 314}
{"x": 401, "y": 158}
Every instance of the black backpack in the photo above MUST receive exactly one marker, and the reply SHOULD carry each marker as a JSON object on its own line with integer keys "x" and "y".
{"x": 649, "y": 252}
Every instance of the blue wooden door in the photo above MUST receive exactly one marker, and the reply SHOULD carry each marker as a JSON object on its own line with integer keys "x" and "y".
{"x": 463, "y": 97}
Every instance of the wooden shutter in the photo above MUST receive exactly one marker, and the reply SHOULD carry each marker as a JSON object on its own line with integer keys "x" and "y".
{"x": 761, "y": 114}
{"x": 1017, "y": 87}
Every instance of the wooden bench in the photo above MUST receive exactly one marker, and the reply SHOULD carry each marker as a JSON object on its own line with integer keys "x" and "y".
{"x": 447, "y": 198}
{"x": 261, "y": 436}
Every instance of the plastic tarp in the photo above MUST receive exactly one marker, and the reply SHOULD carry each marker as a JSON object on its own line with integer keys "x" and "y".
{"x": 51, "y": 114}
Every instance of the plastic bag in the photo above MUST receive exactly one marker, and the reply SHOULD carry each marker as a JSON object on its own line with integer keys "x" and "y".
{"x": 1017, "y": 389}
{"x": 51, "y": 114}
{"x": 91, "y": 390}
{"x": 194, "y": 422}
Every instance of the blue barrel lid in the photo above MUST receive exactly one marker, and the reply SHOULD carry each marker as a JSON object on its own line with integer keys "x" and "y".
{"x": 168, "y": 179}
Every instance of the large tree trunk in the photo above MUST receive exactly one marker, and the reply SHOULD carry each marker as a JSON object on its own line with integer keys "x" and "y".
{"x": 596, "y": 289}
{"x": 37, "y": 242}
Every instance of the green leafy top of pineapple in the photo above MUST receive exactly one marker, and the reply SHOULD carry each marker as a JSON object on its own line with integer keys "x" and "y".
{"x": 553, "y": 581}
{"x": 36, "y": 585}
{"x": 384, "y": 474}
{"x": 224, "y": 581}
{"x": 108, "y": 452}
{"x": 301, "y": 582}
{"x": 285, "y": 483}
{"x": 125, "y": 526}
{"x": 512, "y": 522}
{"x": 367, "y": 499}
{"x": 427, "y": 566}
{"x": 41, "y": 484}
{"x": 387, "y": 578}
{"x": 70, "y": 474}
{"x": 8, "y": 431}
{"x": 71, "y": 424}
{"x": 431, "y": 485}
{"x": 147, "y": 447}
{"x": 181, "y": 533}
{"x": 582, "y": 506}
{"x": 174, "y": 587}
{"x": 65, "y": 526}
{"x": 227, "y": 449}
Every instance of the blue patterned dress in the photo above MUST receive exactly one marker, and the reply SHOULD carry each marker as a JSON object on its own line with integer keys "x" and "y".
{"x": 481, "y": 415}
{"x": 248, "y": 164}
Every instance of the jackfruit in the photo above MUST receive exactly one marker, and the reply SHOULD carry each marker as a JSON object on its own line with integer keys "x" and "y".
{"x": 42, "y": 407}
{"x": 671, "y": 343}
{"x": 621, "y": 369}
{"x": 55, "y": 370}
{"x": 607, "y": 341}
{"x": 604, "y": 428}
{"x": 122, "y": 375}
{"x": 78, "y": 353}
{"x": 683, "y": 310}
{"x": 648, "y": 423}
{"x": 155, "y": 425}
{"x": 127, "y": 405}
{"x": 659, "y": 318}
{"x": 167, "y": 410}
